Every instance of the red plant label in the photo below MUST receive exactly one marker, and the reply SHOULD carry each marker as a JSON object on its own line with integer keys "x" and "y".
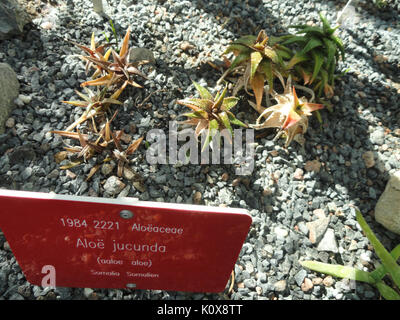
{"x": 122, "y": 243}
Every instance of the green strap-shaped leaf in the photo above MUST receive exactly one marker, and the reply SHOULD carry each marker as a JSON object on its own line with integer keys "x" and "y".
{"x": 270, "y": 53}
{"x": 380, "y": 271}
{"x": 387, "y": 292}
{"x": 387, "y": 260}
{"x": 196, "y": 115}
{"x": 255, "y": 59}
{"x": 318, "y": 58}
{"x": 242, "y": 48}
{"x": 229, "y": 103}
{"x": 204, "y": 93}
{"x": 311, "y": 44}
{"x": 266, "y": 68}
{"x": 338, "y": 271}
{"x": 284, "y": 54}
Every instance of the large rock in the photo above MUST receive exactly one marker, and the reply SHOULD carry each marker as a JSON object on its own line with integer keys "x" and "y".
{"x": 9, "y": 90}
{"x": 13, "y": 18}
{"x": 387, "y": 210}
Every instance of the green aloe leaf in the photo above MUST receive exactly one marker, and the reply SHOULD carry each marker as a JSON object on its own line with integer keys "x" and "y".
{"x": 295, "y": 39}
{"x": 339, "y": 44}
{"x": 200, "y": 103}
{"x": 270, "y": 53}
{"x": 229, "y": 103}
{"x": 204, "y": 93}
{"x": 317, "y": 31}
{"x": 196, "y": 115}
{"x": 297, "y": 58}
{"x": 240, "y": 58}
{"x": 338, "y": 271}
{"x": 219, "y": 98}
{"x": 242, "y": 48}
{"x": 331, "y": 50}
{"x": 235, "y": 121}
{"x": 380, "y": 270}
{"x": 326, "y": 25}
{"x": 225, "y": 121}
{"x": 387, "y": 292}
{"x": 255, "y": 59}
{"x": 211, "y": 132}
{"x": 387, "y": 260}
{"x": 318, "y": 61}
{"x": 311, "y": 44}
{"x": 246, "y": 40}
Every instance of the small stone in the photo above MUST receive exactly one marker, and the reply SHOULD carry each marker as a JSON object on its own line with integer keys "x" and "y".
{"x": 107, "y": 168}
{"x": 236, "y": 182}
{"x": 60, "y": 156}
{"x": 225, "y": 176}
{"x": 10, "y": 122}
{"x": 300, "y": 276}
{"x": 70, "y": 174}
{"x": 87, "y": 292}
{"x": 307, "y": 285}
{"x": 280, "y": 286}
{"x": 281, "y": 233}
{"x": 368, "y": 158}
{"x": 6, "y": 246}
{"x": 317, "y": 229}
{"x": 128, "y": 173}
{"x": 186, "y": 45}
{"x": 113, "y": 185}
{"x": 328, "y": 281}
{"x": 298, "y": 174}
{"x": 328, "y": 242}
{"x": 319, "y": 213}
{"x": 267, "y": 192}
{"x": 387, "y": 209}
{"x": 313, "y": 165}
{"x": 197, "y": 197}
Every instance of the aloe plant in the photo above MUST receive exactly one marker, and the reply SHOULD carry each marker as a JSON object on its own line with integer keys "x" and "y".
{"x": 259, "y": 59}
{"x": 389, "y": 266}
{"x": 319, "y": 50}
{"x": 211, "y": 113}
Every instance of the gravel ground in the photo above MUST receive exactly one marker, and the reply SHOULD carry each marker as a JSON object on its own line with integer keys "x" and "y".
{"x": 288, "y": 187}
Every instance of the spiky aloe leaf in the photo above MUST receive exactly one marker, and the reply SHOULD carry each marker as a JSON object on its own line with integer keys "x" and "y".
{"x": 223, "y": 116}
{"x": 326, "y": 25}
{"x": 339, "y": 44}
{"x": 312, "y": 43}
{"x": 295, "y": 39}
{"x": 318, "y": 58}
{"x": 212, "y": 131}
{"x": 219, "y": 98}
{"x": 202, "y": 104}
{"x": 331, "y": 50}
{"x": 297, "y": 58}
{"x": 255, "y": 59}
{"x": 338, "y": 271}
{"x": 235, "y": 121}
{"x": 257, "y": 84}
{"x": 317, "y": 31}
{"x": 387, "y": 260}
{"x": 204, "y": 93}
{"x": 246, "y": 40}
{"x": 239, "y": 47}
{"x": 229, "y": 103}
